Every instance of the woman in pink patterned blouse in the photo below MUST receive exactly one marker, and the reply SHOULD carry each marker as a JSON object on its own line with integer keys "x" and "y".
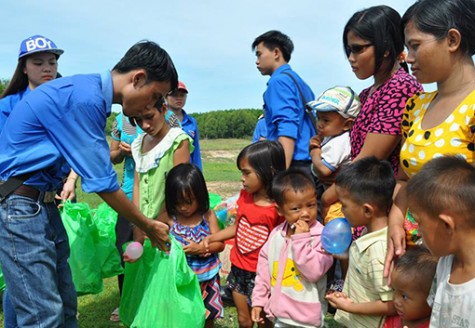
{"x": 374, "y": 46}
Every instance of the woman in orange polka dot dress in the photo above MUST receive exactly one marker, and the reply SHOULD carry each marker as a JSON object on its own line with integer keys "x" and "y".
{"x": 434, "y": 123}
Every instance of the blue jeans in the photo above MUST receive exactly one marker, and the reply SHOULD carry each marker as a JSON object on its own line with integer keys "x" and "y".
{"x": 34, "y": 254}
{"x": 9, "y": 315}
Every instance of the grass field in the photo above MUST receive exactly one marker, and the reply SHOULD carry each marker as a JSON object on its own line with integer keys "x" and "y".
{"x": 222, "y": 176}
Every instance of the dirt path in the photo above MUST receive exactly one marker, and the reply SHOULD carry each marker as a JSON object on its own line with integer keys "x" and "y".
{"x": 225, "y": 189}
{"x": 218, "y": 154}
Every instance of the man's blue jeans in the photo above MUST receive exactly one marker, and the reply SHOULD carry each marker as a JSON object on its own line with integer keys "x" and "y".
{"x": 9, "y": 315}
{"x": 34, "y": 254}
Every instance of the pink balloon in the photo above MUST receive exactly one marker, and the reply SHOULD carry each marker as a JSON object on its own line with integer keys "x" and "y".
{"x": 134, "y": 250}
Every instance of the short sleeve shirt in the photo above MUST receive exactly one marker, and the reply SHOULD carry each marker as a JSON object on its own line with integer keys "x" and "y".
{"x": 152, "y": 168}
{"x": 454, "y": 136}
{"x": 453, "y": 305}
{"x": 254, "y": 224}
{"x": 381, "y": 112}
{"x": 364, "y": 281}
{"x": 336, "y": 151}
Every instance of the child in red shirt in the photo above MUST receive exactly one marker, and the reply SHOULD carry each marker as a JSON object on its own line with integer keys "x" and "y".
{"x": 256, "y": 217}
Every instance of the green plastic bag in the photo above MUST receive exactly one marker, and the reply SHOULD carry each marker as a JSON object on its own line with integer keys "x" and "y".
{"x": 136, "y": 276}
{"x": 105, "y": 219}
{"x": 83, "y": 261}
{"x": 173, "y": 296}
{"x": 2, "y": 281}
{"x": 214, "y": 200}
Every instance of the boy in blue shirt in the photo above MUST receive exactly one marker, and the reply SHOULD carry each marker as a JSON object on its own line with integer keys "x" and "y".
{"x": 176, "y": 101}
{"x": 285, "y": 115}
{"x": 60, "y": 122}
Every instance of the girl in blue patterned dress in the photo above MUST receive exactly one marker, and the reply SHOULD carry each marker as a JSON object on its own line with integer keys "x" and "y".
{"x": 187, "y": 203}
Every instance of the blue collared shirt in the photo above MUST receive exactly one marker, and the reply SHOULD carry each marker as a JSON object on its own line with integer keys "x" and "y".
{"x": 7, "y": 104}
{"x": 61, "y": 121}
{"x": 260, "y": 131}
{"x": 285, "y": 113}
{"x": 190, "y": 126}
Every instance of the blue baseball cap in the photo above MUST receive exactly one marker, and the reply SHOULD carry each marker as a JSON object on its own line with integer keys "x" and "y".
{"x": 38, "y": 43}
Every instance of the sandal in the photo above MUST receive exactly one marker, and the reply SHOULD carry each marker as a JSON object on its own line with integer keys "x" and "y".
{"x": 115, "y": 315}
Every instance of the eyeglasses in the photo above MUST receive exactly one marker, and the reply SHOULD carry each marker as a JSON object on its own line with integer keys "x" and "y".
{"x": 356, "y": 49}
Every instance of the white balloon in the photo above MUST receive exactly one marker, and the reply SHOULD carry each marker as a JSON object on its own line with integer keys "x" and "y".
{"x": 134, "y": 250}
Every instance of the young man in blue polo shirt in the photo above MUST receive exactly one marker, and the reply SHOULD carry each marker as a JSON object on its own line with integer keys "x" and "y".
{"x": 286, "y": 119}
{"x": 58, "y": 122}
{"x": 176, "y": 101}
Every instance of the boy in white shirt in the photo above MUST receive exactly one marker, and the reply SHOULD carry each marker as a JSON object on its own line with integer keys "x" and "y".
{"x": 441, "y": 198}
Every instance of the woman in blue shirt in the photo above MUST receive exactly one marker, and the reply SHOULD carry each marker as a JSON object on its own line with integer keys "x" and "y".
{"x": 37, "y": 64}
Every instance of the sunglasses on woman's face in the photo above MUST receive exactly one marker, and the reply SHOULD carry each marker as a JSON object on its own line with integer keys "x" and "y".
{"x": 356, "y": 49}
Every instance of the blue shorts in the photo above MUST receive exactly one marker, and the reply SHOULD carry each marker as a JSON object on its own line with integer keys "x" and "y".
{"x": 241, "y": 281}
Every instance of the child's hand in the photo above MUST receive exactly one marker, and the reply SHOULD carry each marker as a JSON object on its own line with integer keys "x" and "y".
{"x": 301, "y": 227}
{"x": 256, "y": 314}
{"x": 315, "y": 142}
{"x": 125, "y": 149}
{"x": 193, "y": 248}
{"x": 206, "y": 241}
{"x": 339, "y": 300}
{"x": 342, "y": 256}
{"x": 138, "y": 236}
{"x": 69, "y": 190}
{"x": 127, "y": 259}
{"x": 206, "y": 248}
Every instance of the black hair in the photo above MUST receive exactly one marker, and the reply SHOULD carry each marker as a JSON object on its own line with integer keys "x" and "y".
{"x": 291, "y": 179}
{"x": 153, "y": 59}
{"x": 444, "y": 184}
{"x": 437, "y": 17}
{"x": 267, "y": 158}
{"x": 276, "y": 39}
{"x": 19, "y": 80}
{"x": 417, "y": 265}
{"x": 381, "y": 26}
{"x": 182, "y": 183}
{"x": 158, "y": 105}
{"x": 368, "y": 180}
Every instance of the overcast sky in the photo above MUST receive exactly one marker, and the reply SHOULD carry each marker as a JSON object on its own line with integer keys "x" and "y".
{"x": 208, "y": 40}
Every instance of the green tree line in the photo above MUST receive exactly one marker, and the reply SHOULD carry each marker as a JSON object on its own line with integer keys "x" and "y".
{"x": 3, "y": 85}
{"x": 230, "y": 123}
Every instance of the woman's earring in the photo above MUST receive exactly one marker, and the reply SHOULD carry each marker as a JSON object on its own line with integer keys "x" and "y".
{"x": 402, "y": 57}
